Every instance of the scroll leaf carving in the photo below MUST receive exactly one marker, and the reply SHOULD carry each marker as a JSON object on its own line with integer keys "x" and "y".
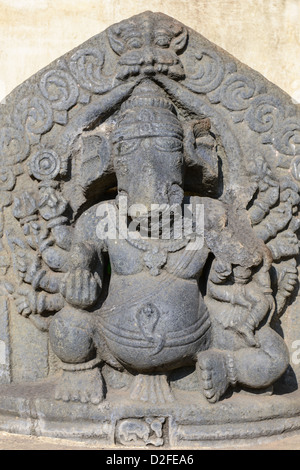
{"x": 236, "y": 92}
{"x": 14, "y": 146}
{"x": 86, "y": 66}
{"x": 35, "y": 115}
{"x": 287, "y": 136}
{"x": 7, "y": 179}
{"x": 295, "y": 168}
{"x": 209, "y": 73}
{"x": 264, "y": 111}
{"x": 7, "y": 183}
{"x": 60, "y": 88}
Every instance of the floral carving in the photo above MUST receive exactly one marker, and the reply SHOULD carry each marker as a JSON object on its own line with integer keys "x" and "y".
{"x": 35, "y": 115}
{"x": 45, "y": 164}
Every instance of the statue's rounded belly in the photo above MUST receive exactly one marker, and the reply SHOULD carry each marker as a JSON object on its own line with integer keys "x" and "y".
{"x": 154, "y": 322}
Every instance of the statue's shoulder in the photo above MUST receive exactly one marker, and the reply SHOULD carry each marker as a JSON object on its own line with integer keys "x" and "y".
{"x": 208, "y": 202}
{"x": 214, "y": 211}
{"x": 87, "y": 222}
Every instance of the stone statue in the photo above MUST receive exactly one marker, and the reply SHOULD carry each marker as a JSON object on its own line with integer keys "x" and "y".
{"x": 154, "y": 318}
{"x": 126, "y": 143}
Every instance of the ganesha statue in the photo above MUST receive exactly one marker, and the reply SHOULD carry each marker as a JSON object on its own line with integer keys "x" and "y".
{"x": 155, "y": 233}
{"x": 153, "y": 317}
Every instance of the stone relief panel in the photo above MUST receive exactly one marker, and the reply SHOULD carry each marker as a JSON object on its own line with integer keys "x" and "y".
{"x": 151, "y": 113}
{"x": 140, "y": 432}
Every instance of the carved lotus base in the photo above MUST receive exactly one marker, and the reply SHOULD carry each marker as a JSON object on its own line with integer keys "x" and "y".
{"x": 189, "y": 422}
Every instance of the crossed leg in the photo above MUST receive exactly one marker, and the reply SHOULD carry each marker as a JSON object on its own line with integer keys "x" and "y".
{"x": 254, "y": 367}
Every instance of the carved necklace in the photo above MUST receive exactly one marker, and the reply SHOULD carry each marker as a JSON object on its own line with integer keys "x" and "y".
{"x": 157, "y": 256}
{"x": 156, "y": 250}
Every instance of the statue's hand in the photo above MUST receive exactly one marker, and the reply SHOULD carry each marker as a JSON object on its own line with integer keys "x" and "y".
{"x": 29, "y": 267}
{"x": 239, "y": 297}
{"x": 285, "y": 244}
{"x": 25, "y": 301}
{"x": 80, "y": 288}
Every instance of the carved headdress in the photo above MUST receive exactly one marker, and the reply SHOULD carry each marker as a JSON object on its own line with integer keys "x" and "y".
{"x": 147, "y": 113}
{"x": 150, "y": 113}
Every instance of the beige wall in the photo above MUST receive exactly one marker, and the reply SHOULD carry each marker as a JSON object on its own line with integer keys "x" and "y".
{"x": 264, "y": 34}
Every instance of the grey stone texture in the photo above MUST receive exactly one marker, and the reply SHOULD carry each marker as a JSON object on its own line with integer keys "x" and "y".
{"x": 141, "y": 341}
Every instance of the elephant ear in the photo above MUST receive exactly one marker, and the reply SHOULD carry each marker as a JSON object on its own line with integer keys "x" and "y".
{"x": 202, "y": 158}
{"x": 93, "y": 166}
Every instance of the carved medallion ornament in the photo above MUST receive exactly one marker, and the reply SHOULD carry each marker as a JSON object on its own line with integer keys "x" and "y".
{"x": 141, "y": 338}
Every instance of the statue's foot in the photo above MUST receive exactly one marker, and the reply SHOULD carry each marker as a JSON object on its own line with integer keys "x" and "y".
{"x": 213, "y": 374}
{"x": 85, "y": 386}
{"x": 248, "y": 334}
{"x": 151, "y": 389}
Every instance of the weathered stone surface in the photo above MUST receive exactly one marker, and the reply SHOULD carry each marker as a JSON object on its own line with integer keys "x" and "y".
{"x": 33, "y": 34}
{"x": 194, "y": 424}
{"x": 133, "y": 330}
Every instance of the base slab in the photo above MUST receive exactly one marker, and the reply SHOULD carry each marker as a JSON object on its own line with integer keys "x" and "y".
{"x": 31, "y": 409}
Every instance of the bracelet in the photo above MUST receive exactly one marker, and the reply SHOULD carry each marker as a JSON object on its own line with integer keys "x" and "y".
{"x": 37, "y": 279}
{"x": 60, "y": 220}
{"x": 231, "y": 369}
{"x": 83, "y": 366}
